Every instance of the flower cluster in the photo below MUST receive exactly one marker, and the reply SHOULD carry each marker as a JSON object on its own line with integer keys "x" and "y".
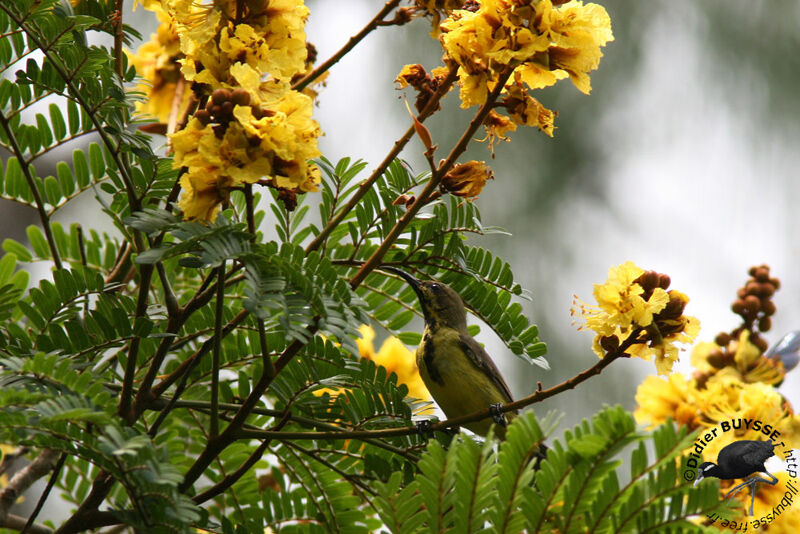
{"x": 240, "y": 59}
{"x": 734, "y": 381}
{"x": 542, "y": 42}
{"x": 635, "y": 309}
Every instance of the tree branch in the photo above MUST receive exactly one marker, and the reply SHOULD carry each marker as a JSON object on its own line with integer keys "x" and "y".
{"x": 24, "y": 479}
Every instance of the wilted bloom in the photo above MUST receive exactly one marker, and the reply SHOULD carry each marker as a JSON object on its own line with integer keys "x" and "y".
{"x": 634, "y": 302}
{"x": 466, "y": 180}
{"x": 526, "y": 110}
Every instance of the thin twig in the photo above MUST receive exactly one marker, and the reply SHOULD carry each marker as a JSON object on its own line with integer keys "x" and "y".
{"x": 354, "y": 40}
{"x": 537, "y": 396}
{"x": 215, "y": 354}
{"x": 24, "y": 479}
{"x": 28, "y": 173}
{"x": 50, "y": 483}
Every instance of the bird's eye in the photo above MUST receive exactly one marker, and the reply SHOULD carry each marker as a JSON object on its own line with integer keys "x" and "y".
{"x": 436, "y": 287}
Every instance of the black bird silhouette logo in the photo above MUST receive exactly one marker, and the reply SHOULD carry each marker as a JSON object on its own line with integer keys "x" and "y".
{"x": 741, "y": 459}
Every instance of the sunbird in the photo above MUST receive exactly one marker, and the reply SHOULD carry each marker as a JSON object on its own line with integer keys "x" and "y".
{"x": 457, "y": 371}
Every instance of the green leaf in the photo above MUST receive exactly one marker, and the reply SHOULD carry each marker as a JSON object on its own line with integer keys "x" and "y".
{"x": 38, "y": 242}
{"x": 17, "y": 249}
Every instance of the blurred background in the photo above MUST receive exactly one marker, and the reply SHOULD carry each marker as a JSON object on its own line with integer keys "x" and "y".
{"x": 683, "y": 159}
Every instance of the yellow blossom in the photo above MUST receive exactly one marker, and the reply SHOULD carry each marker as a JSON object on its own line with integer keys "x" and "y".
{"x": 545, "y": 44}
{"x": 633, "y": 302}
{"x": 157, "y": 63}
{"x": 576, "y": 33}
{"x": 769, "y": 500}
{"x": 740, "y": 359}
{"x": 398, "y": 359}
{"x": 658, "y": 399}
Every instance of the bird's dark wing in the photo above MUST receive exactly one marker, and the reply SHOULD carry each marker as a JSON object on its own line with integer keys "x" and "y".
{"x": 747, "y": 452}
{"x": 484, "y": 363}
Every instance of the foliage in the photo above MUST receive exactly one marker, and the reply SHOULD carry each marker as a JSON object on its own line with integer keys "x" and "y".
{"x": 195, "y": 374}
{"x": 470, "y": 487}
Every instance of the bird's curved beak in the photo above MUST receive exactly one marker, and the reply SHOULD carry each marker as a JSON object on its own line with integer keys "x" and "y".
{"x": 413, "y": 282}
{"x": 698, "y": 479}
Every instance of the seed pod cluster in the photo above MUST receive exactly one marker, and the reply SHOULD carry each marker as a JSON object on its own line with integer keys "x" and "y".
{"x": 755, "y": 306}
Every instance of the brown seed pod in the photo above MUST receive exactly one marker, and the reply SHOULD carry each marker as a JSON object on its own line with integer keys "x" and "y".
{"x": 203, "y": 116}
{"x": 752, "y": 303}
{"x": 663, "y": 281}
{"x": 221, "y": 95}
{"x": 241, "y": 97}
{"x": 722, "y": 339}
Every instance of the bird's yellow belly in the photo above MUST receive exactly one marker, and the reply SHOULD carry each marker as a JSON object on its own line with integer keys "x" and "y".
{"x": 458, "y": 386}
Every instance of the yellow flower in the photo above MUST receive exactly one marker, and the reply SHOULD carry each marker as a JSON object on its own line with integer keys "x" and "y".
{"x": 157, "y": 63}
{"x": 740, "y": 359}
{"x": 544, "y": 42}
{"x": 396, "y": 358}
{"x": 635, "y": 302}
{"x": 232, "y": 142}
{"x": 497, "y": 127}
{"x": 673, "y": 397}
{"x": 576, "y": 33}
{"x": 525, "y": 110}
{"x": 769, "y": 500}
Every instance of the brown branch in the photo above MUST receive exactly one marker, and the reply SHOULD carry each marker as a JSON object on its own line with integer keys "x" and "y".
{"x": 354, "y": 40}
{"x": 15, "y": 522}
{"x": 538, "y": 396}
{"x": 24, "y": 479}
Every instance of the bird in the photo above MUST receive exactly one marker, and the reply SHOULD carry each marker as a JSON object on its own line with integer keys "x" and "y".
{"x": 455, "y": 368}
{"x": 740, "y": 459}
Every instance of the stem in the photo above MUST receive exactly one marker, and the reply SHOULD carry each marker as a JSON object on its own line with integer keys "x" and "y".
{"x": 228, "y": 436}
{"x": 214, "y": 425}
{"x": 371, "y": 25}
{"x": 25, "y": 167}
{"x": 29, "y": 525}
{"x": 118, "y": 35}
{"x": 15, "y": 522}
{"x": 126, "y": 397}
{"x": 24, "y": 479}
{"x": 436, "y": 178}
{"x": 189, "y": 362}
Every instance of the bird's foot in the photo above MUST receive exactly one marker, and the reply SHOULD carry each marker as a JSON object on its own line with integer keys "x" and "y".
{"x": 424, "y": 428}
{"x": 497, "y": 414}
